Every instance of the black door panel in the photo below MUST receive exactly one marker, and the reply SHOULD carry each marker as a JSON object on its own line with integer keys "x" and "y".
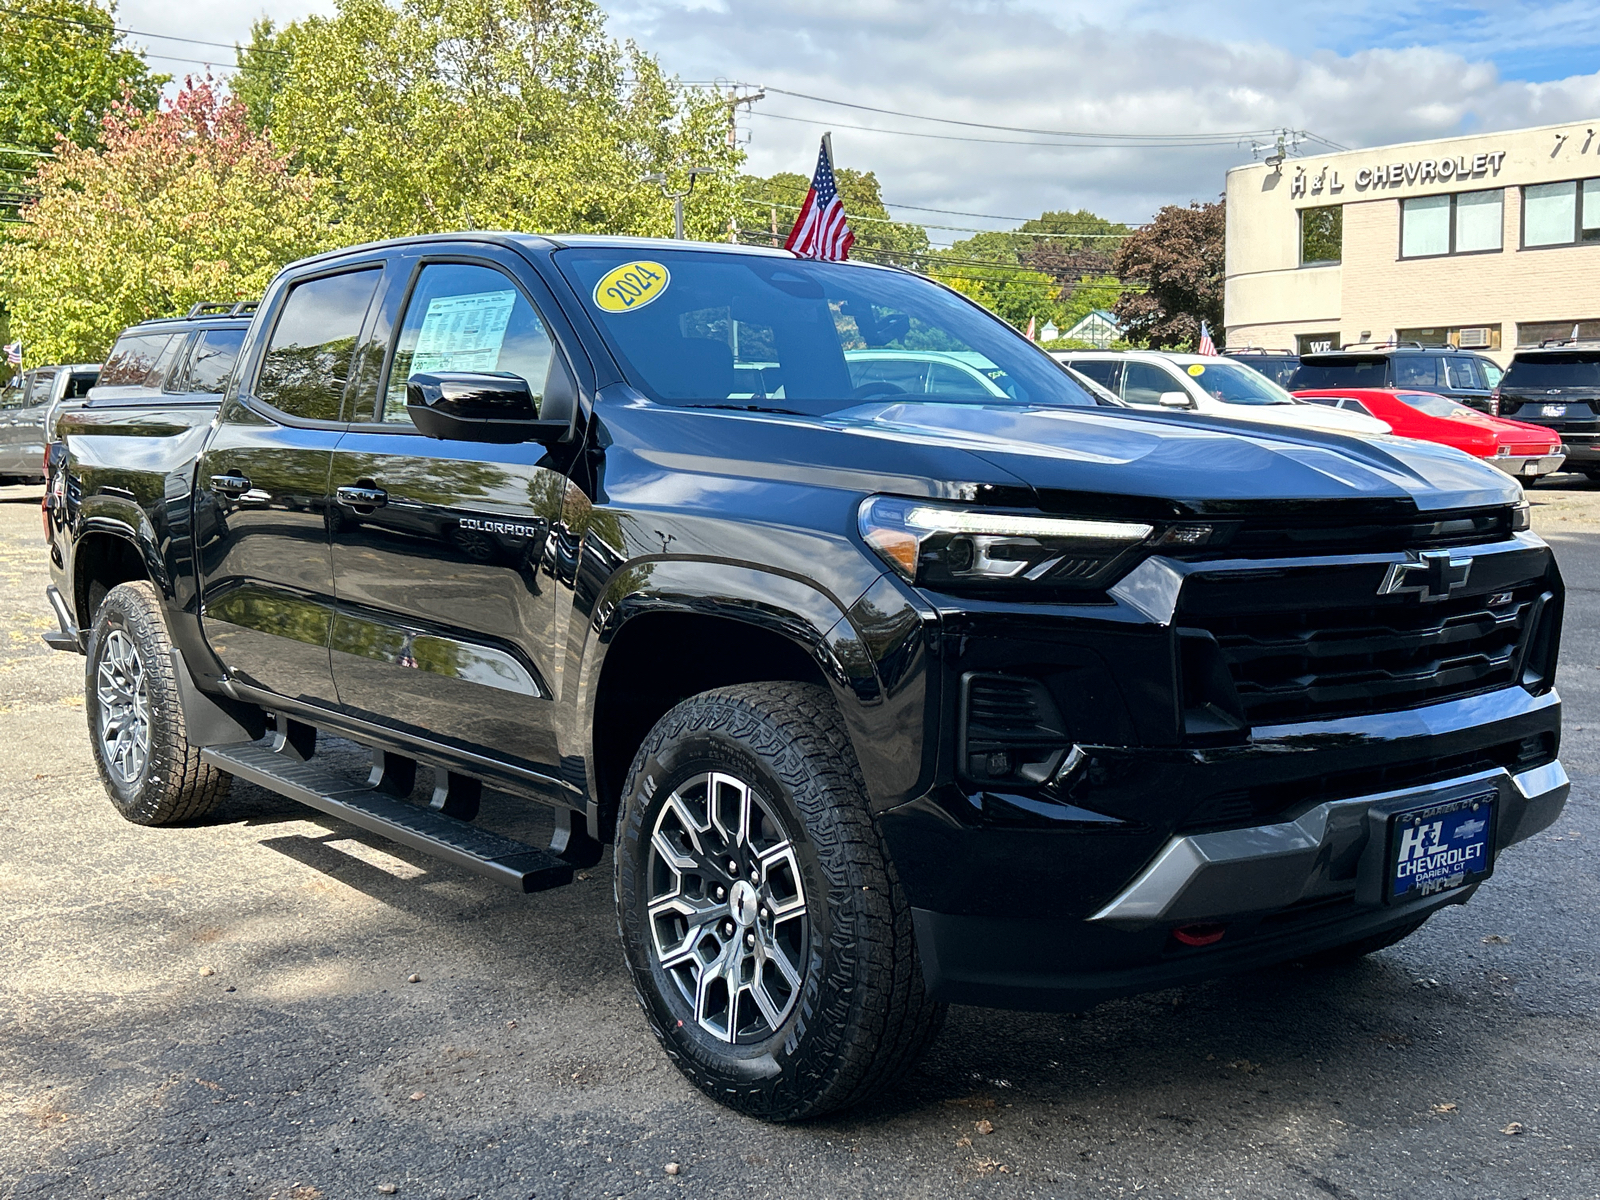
{"x": 263, "y": 541}
{"x": 444, "y": 589}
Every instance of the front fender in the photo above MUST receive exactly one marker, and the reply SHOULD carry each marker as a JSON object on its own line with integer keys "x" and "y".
{"x": 872, "y": 652}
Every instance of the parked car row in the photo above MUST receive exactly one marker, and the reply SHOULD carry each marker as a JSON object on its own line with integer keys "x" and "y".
{"x": 25, "y": 408}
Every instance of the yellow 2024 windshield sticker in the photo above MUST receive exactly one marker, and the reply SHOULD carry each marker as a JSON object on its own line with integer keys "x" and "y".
{"x": 631, "y": 286}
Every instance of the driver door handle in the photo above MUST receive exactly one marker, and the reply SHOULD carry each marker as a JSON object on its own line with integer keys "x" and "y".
{"x": 232, "y": 484}
{"x": 357, "y": 496}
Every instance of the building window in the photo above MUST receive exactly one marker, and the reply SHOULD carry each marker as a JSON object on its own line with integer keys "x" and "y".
{"x": 1464, "y": 337}
{"x": 1561, "y": 214}
{"x": 1315, "y": 343}
{"x": 1321, "y": 235}
{"x": 1531, "y": 333}
{"x": 1461, "y": 223}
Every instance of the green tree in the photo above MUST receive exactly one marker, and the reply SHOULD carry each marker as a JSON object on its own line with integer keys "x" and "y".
{"x": 1179, "y": 260}
{"x": 523, "y": 114}
{"x": 768, "y": 208}
{"x": 62, "y": 67}
{"x": 180, "y": 205}
{"x": 1035, "y": 271}
{"x": 263, "y": 71}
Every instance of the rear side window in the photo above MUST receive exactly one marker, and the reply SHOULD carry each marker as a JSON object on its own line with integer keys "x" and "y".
{"x": 80, "y": 383}
{"x": 466, "y": 318}
{"x": 1355, "y": 406}
{"x": 212, "y": 361}
{"x": 1418, "y": 371}
{"x": 140, "y": 360}
{"x": 1341, "y": 373}
{"x": 1102, "y": 370}
{"x": 307, "y": 363}
{"x": 1464, "y": 373}
{"x": 39, "y": 390}
{"x": 1553, "y": 371}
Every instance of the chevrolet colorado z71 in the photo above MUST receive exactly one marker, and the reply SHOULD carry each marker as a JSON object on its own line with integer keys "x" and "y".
{"x": 886, "y": 692}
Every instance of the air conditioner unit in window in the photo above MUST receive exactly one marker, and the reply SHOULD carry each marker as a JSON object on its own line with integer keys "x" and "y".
{"x": 1475, "y": 337}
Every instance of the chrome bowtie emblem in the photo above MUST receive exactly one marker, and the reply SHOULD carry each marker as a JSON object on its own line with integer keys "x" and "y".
{"x": 1432, "y": 577}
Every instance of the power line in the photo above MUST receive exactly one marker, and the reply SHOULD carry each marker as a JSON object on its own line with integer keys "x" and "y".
{"x": 952, "y": 228}
{"x": 165, "y": 37}
{"x": 955, "y": 137}
{"x": 951, "y": 212}
{"x": 1021, "y": 128}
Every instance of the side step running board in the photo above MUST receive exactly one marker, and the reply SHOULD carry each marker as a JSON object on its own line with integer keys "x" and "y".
{"x": 505, "y": 860}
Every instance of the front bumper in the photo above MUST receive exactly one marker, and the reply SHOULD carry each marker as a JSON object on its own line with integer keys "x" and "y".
{"x": 1054, "y": 907}
{"x": 1273, "y": 887}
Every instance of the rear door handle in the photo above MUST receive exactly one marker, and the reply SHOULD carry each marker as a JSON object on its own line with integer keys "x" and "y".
{"x": 357, "y": 496}
{"x": 233, "y": 485}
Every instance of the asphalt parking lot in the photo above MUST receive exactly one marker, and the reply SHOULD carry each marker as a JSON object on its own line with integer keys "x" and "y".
{"x": 223, "y": 1010}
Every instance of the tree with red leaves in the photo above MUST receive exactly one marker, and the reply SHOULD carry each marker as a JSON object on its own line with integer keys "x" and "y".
{"x": 179, "y": 204}
{"x": 1177, "y": 260}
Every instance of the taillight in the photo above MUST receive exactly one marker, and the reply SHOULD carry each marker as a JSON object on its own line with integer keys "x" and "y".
{"x": 1494, "y": 403}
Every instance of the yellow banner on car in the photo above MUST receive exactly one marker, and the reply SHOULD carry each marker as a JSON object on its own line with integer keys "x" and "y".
{"x": 631, "y": 286}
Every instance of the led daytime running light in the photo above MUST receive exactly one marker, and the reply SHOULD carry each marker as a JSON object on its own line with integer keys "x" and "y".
{"x": 943, "y": 520}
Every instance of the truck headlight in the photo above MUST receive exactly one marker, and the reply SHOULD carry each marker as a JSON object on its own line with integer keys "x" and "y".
{"x": 942, "y": 545}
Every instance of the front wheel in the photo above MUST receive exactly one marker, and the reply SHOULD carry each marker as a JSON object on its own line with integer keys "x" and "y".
{"x": 136, "y": 725}
{"x": 769, "y": 941}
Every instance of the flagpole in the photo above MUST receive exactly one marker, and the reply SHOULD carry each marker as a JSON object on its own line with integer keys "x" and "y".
{"x": 827, "y": 140}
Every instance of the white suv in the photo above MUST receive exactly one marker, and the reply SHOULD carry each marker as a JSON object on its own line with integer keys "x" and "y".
{"x": 1211, "y": 385}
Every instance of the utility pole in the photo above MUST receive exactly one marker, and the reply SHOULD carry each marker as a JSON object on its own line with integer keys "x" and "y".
{"x": 678, "y": 198}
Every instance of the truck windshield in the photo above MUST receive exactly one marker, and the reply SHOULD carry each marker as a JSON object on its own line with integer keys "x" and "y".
{"x": 752, "y": 330}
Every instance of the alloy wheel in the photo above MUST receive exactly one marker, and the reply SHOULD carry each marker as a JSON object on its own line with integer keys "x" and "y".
{"x": 123, "y": 695}
{"x": 727, "y": 907}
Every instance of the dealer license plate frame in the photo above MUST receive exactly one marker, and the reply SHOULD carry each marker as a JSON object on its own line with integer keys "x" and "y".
{"x": 1450, "y": 816}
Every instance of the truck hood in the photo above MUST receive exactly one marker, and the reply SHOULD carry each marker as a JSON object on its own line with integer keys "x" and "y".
{"x": 1206, "y": 464}
{"x": 1302, "y": 416}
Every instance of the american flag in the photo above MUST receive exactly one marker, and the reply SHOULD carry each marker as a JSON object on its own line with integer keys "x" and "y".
{"x": 820, "y": 231}
{"x": 1207, "y": 346}
{"x": 14, "y": 354}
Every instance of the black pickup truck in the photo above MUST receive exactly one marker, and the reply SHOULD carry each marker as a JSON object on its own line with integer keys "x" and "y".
{"x": 887, "y": 688}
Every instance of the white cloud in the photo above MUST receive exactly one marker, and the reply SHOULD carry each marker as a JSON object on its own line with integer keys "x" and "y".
{"x": 1357, "y": 71}
{"x": 1159, "y": 71}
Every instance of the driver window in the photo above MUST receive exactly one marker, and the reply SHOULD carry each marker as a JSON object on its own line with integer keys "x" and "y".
{"x": 462, "y": 317}
{"x": 1143, "y": 383}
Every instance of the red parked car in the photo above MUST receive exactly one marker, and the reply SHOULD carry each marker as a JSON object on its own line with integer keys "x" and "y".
{"x": 1526, "y": 451}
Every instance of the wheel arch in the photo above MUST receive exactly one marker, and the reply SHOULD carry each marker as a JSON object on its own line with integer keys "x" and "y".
{"x": 692, "y": 627}
{"x": 108, "y": 552}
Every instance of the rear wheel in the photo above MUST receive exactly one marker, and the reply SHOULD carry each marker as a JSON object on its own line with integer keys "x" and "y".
{"x": 136, "y": 725}
{"x": 769, "y": 941}
{"x": 1591, "y": 472}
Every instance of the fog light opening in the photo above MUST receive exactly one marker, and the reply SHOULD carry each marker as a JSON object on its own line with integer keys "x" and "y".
{"x": 1203, "y": 933}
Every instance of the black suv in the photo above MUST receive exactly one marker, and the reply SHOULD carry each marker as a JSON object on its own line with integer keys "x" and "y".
{"x": 1277, "y": 365}
{"x": 175, "y": 356}
{"x": 1444, "y": 370}
{"x": 1557, "y": 385}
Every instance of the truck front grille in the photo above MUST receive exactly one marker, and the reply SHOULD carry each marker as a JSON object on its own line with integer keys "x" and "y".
{"x": 1295, "y": 666}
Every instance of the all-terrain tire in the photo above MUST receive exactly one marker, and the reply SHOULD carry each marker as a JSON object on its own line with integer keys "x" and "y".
{"x": 1350, "y": 952}
{"x": 858, "y": 1016}
{"x": 157, "y": 779}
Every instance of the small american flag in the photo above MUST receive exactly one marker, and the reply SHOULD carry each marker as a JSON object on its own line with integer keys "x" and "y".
{"x": 14, "y": 354}
{"x": 820, "y": 231}
{"x": 1207, "y": 346}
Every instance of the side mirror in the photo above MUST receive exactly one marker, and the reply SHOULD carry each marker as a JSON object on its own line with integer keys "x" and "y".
{"x": 473, "y": 406}
{"x": 1175, "y": 400}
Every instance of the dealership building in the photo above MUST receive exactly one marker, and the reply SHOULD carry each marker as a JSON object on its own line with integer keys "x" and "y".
{"x": 1487, "y": 242}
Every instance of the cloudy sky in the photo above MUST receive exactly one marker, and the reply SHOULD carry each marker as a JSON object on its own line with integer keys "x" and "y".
{"x": 1216, "y": 76}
